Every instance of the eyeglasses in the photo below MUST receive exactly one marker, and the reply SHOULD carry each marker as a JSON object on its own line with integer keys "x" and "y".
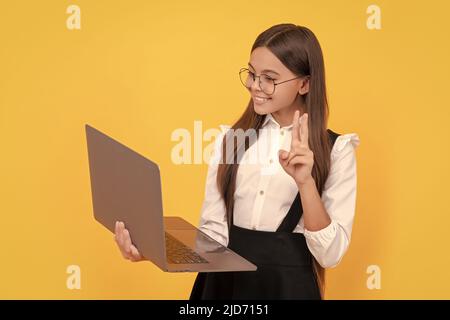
{"x": 266, "y": 83}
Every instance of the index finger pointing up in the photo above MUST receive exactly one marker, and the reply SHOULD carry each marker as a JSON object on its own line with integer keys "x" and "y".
{"x": 304, "y": 131}
{"x": 296, "y": 128}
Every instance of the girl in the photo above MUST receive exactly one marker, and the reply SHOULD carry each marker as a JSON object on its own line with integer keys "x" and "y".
{"x": 292, "y": 222}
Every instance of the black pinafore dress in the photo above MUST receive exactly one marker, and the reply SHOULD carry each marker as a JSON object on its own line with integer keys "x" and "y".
{"x": 285, "y": 264}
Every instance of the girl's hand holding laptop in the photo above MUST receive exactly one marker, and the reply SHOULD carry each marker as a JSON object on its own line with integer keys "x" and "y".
{"x": 123, "y": 240}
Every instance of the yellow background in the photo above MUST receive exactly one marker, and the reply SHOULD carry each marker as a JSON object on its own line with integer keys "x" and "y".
{"x": 139, "y": 70}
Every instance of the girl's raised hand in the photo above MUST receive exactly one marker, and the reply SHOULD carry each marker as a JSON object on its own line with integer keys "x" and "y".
{"x": 299, "y": 160}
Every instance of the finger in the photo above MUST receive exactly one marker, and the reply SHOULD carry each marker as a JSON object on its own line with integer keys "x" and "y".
{"x": 304, "y": 131}
{"x": 295, "y": 129}
{"x": 123, "y": 240}
{"x": 282, "y": 161}
{"x": 127, "y": 241}
{"x": 117, "y": 231}
{"x": 283, "y": 154}
{"x": 284, "y": 157}
{"x": 116, "y": 226}
{"x": 291, "y": 155}
{"x": 298, "y": 151}
{"x": 135, "y": 252}
{"x": 298, "y": 160}
{"x": 120, "y": 240}
{"x": 119, "y": 234}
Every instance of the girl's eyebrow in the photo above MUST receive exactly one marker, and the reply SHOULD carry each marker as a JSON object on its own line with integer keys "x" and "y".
{"x": 265, "y": 70}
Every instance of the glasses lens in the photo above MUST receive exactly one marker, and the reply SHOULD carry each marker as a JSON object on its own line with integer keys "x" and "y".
{"x": 246, "y": 78}
{"x": 265, "y": 83}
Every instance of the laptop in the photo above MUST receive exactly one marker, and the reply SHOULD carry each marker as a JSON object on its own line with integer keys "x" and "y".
{"x": 126, "y": 186}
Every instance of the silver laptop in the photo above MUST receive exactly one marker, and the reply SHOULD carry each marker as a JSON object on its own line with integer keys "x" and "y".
{"x": 126, "y": 187}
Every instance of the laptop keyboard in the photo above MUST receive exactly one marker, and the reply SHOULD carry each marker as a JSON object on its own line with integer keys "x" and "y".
{"x": 178, "y": 253}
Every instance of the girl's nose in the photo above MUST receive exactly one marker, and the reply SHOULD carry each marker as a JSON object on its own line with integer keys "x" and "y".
{"x": 255, "y": 86}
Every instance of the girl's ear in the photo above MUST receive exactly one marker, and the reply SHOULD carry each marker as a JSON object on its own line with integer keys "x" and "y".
{"x": 304, "y": 88}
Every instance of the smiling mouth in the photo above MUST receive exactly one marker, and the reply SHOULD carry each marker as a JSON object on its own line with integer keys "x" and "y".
{"x": 259, "y": 99}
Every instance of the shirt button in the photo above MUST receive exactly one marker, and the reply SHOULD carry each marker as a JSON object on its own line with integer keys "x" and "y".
{"x": 254, "y": 228}
{"x": 282, "y": 132}
{"x": 271, "y": 160}
{"x": 261, "y": 192}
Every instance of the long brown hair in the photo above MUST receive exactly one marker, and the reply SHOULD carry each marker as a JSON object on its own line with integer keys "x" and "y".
{"x": 299, "y": 50}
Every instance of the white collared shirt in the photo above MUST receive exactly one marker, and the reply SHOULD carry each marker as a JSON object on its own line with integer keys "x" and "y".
{"x": 265, "y": 192}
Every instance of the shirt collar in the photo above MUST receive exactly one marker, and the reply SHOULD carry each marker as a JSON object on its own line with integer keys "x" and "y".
{"x": 270, "y": 120}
